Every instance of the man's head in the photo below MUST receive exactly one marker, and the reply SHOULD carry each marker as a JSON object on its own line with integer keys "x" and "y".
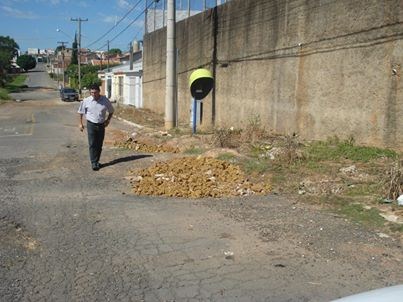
{"x": 94, "y": 90}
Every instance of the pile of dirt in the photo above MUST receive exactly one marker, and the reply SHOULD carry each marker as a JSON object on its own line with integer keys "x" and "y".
{"x": 195, "y": 177}
{"x": 146, "y": 146}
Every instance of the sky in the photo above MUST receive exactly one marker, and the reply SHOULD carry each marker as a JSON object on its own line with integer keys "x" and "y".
{"x": 43, "y": 23}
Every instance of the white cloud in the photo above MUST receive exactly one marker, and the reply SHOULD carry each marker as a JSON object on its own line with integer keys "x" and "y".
{"x": 110, "y": 19}
{"x": 12, "y": 12}
{"x": 123, "y": 4}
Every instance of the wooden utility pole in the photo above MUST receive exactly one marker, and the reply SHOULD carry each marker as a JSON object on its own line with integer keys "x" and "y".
{"x": 79, "y": 20}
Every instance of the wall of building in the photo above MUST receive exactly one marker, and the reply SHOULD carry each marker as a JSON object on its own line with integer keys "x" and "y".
{"x": 315, "y": 68}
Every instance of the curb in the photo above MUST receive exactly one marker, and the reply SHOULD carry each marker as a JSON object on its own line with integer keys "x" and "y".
{"x": 130, "y": 123}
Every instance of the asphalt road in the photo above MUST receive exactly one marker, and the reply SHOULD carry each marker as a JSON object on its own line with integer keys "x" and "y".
{"x": 72, "y": 234}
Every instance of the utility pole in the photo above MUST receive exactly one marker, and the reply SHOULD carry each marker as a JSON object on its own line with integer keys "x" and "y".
{"x": 170, "y": 67}
{"x": 63, "y": 43}
{"x": 79, "y": 20}
{"x": 107, "y": 54}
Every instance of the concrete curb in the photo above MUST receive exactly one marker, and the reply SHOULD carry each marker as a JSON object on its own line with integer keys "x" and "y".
{"x": 130, "y": 123}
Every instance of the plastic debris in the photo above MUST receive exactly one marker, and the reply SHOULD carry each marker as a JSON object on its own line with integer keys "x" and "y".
{"x": 229, "y": 255}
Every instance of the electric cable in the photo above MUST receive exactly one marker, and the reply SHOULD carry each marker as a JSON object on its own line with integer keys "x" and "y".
{"x": 117, "y": 23}
{"x": 130, "y": 24}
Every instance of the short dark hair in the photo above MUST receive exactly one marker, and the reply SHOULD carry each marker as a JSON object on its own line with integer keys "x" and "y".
{"x": 94, "y": 87}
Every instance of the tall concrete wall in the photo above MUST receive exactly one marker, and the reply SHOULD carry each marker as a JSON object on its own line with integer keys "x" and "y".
{"x": 318, "y": 68}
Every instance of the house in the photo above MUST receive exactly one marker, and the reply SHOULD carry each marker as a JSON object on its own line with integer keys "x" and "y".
{"x": 123, "y": 83}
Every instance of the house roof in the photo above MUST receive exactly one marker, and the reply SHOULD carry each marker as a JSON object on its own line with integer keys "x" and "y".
{"x": 125, "y": 68}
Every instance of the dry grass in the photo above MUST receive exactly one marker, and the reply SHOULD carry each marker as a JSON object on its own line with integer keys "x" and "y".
{"x": 394, "y": 181}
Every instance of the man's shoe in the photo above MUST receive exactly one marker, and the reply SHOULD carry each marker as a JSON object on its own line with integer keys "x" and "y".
{"x": 95, "y": 166}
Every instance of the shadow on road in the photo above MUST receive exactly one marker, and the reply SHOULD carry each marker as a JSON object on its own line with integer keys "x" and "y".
{"x": 35, "y": 88}
{"x": 124, "y": 159}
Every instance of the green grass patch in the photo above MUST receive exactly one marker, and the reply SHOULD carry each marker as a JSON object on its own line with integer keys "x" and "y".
{"x": 330, "y": 150}
{"x": 396, "y": 227}
{"x": 357, "y": 213}
{"x": 194, "y": 151}
{"x": 255, "y": 166}
{"x": 227, "y": 157}
{"x": 364, "y": 189}
{"x": 4, "y": 97}
{"x": 16, "y": 84}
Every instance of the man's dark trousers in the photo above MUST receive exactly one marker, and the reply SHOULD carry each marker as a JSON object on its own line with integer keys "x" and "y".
{"x": 96, "y": 134}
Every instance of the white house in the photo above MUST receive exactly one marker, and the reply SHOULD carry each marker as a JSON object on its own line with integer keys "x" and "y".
{"x": 122, "y": 84}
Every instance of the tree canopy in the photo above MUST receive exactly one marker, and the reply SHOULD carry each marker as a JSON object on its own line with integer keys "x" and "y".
{"x": 26, "y": 62}
{"x": 8, "y": 50}
{"x": 115, "y": 51}
{"x": 89, "y": 75}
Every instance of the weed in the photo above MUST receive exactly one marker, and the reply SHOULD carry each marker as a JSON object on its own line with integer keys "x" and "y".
{"x": 226, "y": 138}
{"x": 393, "y": 185}
{"x": 194, "y": 151}
{"x": 396, "y": 227}
{"x": 364, "y": 189}
{"x": 255, "y": 165}
{"x": 356, "y": 212}
{"x": 227, "y": 157}
{"x": 253, "y": 131}
{"x": 368, "y": 217}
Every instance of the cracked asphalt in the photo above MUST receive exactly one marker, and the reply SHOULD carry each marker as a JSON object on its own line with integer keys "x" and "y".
{"x": 71, "y": 234}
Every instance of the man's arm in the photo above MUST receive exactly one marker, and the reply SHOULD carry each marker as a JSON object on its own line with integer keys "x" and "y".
{"x": 81, "y": 125}
{"x": 108, "y": 119}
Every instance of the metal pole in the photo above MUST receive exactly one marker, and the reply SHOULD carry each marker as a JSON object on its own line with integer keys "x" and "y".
{"x": 170, "y": 67}
{"x": 194, "y": 113}
{"x": 188, "y": 8}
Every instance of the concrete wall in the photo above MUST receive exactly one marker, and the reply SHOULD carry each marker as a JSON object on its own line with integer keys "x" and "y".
{"x": 317, "y": 68}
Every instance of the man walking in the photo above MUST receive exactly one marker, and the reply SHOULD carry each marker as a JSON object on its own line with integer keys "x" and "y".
{"x": 95, "y": 108}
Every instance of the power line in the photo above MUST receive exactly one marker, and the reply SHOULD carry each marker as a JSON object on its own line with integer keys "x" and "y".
{"x": 116, "y": 24}
{"x": 130, "y": 24}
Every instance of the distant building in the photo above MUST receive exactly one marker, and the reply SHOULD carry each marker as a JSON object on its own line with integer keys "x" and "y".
{"x": 33, "y": 51}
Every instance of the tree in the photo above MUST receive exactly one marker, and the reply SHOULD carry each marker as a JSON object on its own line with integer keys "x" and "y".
{"x": 89, "y": 75}
{"x": 8, "y": 50}
{"x": 115, "y": 51}
{"x": 26, "y": 62}
{"x": 90, "y": 79}
{"x": 74, "y": 57}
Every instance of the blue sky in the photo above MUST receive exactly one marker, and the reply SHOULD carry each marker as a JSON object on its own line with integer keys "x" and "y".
{"x": 34, "y": 23}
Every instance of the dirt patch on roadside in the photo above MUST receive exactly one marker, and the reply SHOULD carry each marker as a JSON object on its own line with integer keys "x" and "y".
{"x": 237, "y": 163}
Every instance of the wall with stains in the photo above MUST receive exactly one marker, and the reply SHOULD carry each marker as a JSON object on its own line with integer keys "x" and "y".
{"x": 318, "y": 68}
